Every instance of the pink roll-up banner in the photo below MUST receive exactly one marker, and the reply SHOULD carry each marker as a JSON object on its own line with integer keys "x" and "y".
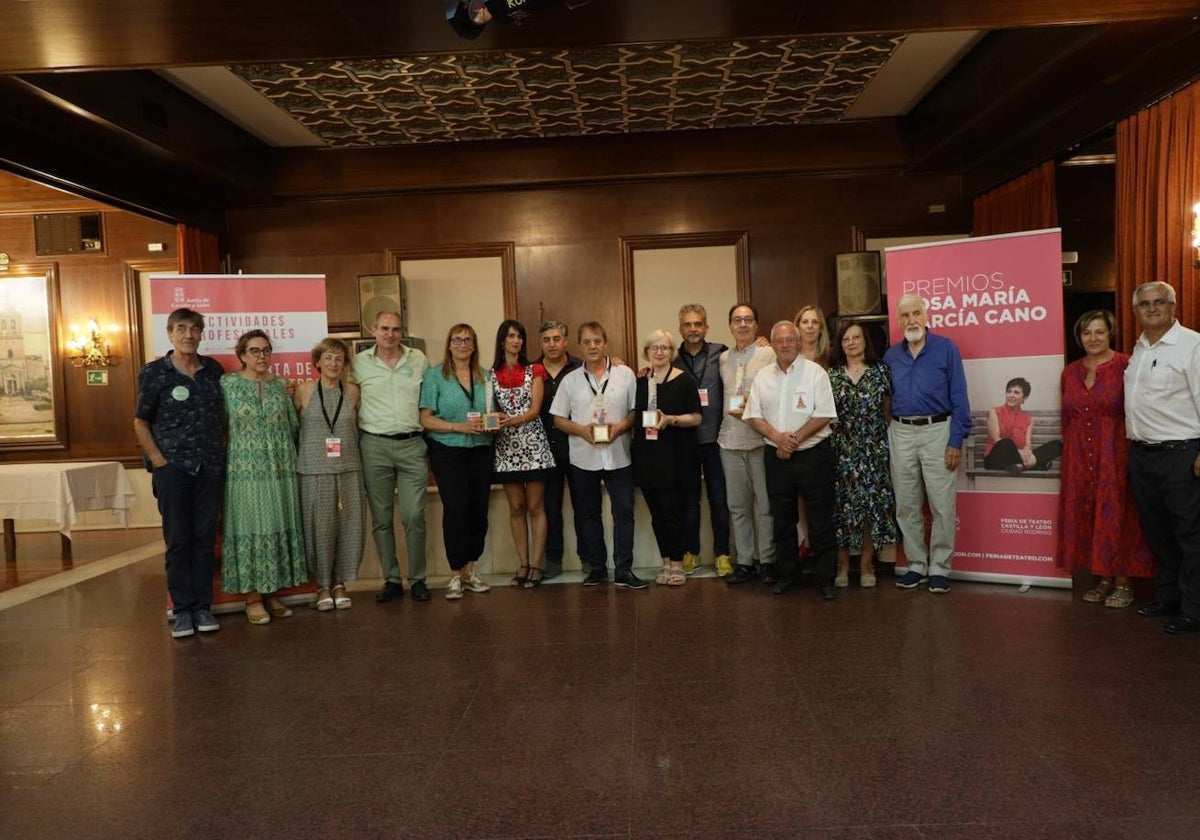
{"x": 999, "y": 298}
{"x": 290, "y": 308}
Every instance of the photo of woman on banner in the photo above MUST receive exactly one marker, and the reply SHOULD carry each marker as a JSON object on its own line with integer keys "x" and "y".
{"x": 1010, "y": 434}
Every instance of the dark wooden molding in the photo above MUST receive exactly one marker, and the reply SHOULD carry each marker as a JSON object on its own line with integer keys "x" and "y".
{"x": 132, "y": 271}
{"x": 740, "y": 241}
{"x": 76, "y": 35}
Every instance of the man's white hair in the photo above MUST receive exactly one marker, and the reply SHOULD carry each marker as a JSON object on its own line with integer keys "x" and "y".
{"x": 911, "y": 298}
{"x": 1166, "y": 288}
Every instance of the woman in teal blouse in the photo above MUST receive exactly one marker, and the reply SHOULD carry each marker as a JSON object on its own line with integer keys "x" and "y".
{"x": 453, "y": 402}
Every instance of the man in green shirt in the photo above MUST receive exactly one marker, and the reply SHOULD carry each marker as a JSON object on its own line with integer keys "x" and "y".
{"x": 393, "y": 451}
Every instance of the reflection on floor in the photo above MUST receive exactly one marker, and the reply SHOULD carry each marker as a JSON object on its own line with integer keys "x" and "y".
{"x": 697, "y": 712}
{"x": 39, "y": 555}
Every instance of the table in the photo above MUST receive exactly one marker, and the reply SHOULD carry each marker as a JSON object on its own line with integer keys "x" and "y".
{"x": 58, "y": 491}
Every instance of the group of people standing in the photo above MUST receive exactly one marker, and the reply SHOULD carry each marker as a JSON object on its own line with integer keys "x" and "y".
{"x": 811, "y": 451}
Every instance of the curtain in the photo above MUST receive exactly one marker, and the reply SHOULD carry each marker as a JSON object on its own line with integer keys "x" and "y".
{"x": 1158, "y": 182}
{"x": 199, "y": 251}
{"x": 1025, "y": 203}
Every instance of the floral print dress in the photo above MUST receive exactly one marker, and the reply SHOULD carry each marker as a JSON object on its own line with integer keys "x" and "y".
{"x": 865, "y": 498}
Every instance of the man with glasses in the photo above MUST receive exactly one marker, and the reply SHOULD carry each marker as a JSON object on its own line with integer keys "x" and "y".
{"x": 1162, "y": 419}
{"x": 931, "y": 417}
{"x": 179, "y": 426}
{"x": 594, "y": 406}
{"x": 791, "y": 406}
{"x": 393, "y": 451}
{"x": 701, "y": 359}
{"x": 741, "y": 451}
{"x": 558, "y": 363}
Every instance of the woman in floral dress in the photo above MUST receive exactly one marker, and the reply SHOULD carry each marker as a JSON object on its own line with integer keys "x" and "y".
{"x": 262, "y": 550}
{"x": 866, "y": 504}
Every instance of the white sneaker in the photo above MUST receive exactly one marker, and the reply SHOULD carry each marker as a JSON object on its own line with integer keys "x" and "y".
{"x": 454, "y": 589}
{"x": 475, "y": 584}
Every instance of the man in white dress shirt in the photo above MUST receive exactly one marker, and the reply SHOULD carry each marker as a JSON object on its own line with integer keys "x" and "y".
{"x": 1162, "y": 419}
{"x": 791, "y": 406}
{"x": 594, "y": 405}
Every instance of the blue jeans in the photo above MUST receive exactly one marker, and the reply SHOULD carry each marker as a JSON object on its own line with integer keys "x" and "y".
{"x": 189, "y": 505}
{"x": 709, "y": 457}
{"x": 585, "y": 496}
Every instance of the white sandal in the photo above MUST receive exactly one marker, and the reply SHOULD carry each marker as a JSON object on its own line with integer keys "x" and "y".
{"x": 324, "y": 604}
{"x": 342, "y": 602}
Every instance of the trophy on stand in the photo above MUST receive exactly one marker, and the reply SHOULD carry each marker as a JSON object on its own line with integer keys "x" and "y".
{"x": 491, "y": 419}
{"x": 737, "y": 400}
{"x": 600, "y": 429}
{"x": 650, "y": 415}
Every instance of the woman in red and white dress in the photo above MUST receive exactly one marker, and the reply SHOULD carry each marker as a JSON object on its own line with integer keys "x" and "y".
{"x": 523, "y": 459}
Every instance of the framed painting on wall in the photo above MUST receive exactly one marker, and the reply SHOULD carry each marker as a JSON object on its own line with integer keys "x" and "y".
{"x": 33, "y": 409}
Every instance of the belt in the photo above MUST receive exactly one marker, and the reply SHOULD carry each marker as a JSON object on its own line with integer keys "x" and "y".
{"x": 927, "y": 420}
{"x": 1164, "y": 444}
{"x": 401, "y": 436}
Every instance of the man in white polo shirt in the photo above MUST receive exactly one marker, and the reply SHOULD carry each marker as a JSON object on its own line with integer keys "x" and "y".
{"x": 594, "y": 405}
{"x": 791, "y": 406}
{"x": 1162, "y": 419}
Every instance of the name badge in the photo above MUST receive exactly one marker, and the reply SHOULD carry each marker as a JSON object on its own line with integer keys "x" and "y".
{"x": 333, "y": 447}
{"x": 801, "y": 402}
{"x": 704, "y": 397}
{"x": 180, "y": 393}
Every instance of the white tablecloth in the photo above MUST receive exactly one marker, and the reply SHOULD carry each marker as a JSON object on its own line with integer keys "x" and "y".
{"x": 59, "y": 491}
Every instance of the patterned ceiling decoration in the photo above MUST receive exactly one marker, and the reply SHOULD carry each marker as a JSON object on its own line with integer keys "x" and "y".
{"x": 601, "y": 90}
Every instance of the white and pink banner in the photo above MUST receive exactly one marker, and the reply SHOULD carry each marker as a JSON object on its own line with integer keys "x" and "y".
{"x": 999, "y": 298}
{"x": 290, "y": 308}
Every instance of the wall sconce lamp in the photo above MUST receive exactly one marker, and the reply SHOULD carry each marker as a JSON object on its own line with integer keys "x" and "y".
{"x": 1196, "y": 236}
{"x": 90, "y": 350}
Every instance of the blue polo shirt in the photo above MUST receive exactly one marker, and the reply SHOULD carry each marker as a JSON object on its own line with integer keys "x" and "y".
{"x": 186, "y": 415}
{"x": 932, "y": 383}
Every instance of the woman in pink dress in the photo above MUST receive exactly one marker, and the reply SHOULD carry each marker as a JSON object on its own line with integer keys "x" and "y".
{"x": 1098, "y": 522}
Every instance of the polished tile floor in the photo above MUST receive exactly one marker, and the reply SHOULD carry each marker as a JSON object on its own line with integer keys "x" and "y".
{"x": 699, "y": 712}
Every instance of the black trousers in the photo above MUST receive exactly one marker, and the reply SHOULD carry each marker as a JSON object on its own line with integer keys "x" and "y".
{"x": 189, "y": 505}
{"x": 464, "y": 479}
{"x": 1167, "y": 494}
{"x": 666, "y": 518}
{"x": 1005, "y": 454}
{"x": 808, "y": 475}
{"x": 553, "y": 504}
{"x": 709, "y": 460}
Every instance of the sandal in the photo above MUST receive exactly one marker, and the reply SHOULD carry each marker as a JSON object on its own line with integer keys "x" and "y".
{"x": 324, "y": 602}
{"x": 1120, "y": 598}
{"x": 676, "y": 577}
{"x": 342, "y": 602}
{"x": 1099, "y": 592}
{"x": 256, "y": 613}
{"x": 664, "y": 576}
{"x": 520, "y": 579}
{"x": 278, "y": 609}
{"x": 534, "y": 582}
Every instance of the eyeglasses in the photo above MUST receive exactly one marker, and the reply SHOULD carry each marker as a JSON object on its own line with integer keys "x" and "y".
{"x": 259, "y": 351}
{"x": 462, "y": 341}
{"x": 742, "y": 319}
{"x": 660, "y": 348}
{"x": 1157, "y": 303}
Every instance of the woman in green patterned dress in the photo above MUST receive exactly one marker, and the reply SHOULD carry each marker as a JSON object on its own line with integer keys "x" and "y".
{"x": 866, "y": 504}
{"x": 262, "y": 550}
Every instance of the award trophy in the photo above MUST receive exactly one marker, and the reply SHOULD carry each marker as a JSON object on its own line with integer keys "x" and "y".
{"x": 600, "y": 429}
{"x": 491, "y": 419}
{"x": 737, "y": 400}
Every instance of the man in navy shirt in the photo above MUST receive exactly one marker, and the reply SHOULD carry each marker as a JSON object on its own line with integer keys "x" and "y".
{"x": 179, "y": 425}
{"x": 931, "y": 418}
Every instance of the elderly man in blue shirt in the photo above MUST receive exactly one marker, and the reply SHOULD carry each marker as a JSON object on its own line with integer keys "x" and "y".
{"x": 931, "y": 418}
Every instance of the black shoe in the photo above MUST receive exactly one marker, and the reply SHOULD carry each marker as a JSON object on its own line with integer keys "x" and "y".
{"x": 768, "y": 573}
{"x": 390, "y": 592}
{"x": 420, "y": 591}
{"x": 596, "y": 577}
{"x": 1159, "y": 610}
{"x": 1183, "y": 624}
{"x": 628, "y": 580}
{"x": 553, "y": 569}
{"x": 783, "y": 585}
{"x": 741, "y": 574}
{"x": 828, "y": 591}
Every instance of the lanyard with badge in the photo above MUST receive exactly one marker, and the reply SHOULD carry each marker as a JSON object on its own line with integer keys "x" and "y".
{"x": 598, "y": 413}
{"x": 689, "y": 362}
{"x": 333, "y": 444}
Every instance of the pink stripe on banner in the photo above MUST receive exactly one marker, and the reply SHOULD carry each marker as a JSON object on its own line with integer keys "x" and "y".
{"x": 238, "y": 293}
